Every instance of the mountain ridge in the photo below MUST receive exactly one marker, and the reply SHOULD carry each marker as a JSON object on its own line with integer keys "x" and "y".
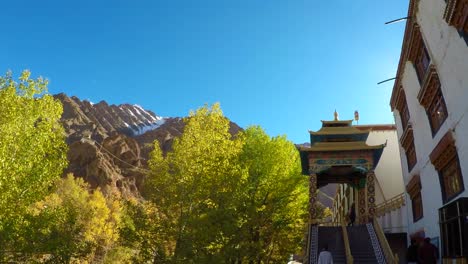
{"x": 109, "y": 145}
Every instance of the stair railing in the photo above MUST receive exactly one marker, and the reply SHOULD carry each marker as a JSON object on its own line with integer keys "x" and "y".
{"x": 331, "y": 224}
{"x": 389, "y": 256}
{"x": 393, "y": 203}
{"x": 349, "y": 257}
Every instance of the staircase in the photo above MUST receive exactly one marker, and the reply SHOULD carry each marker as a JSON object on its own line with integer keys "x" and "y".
{"x": 363, "y": 242}
{"x": 333, "y": 237}
{"x": 361, "y": 245}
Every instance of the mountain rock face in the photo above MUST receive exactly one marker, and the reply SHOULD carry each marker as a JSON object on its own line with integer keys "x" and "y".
{"x": 109, "y": 145}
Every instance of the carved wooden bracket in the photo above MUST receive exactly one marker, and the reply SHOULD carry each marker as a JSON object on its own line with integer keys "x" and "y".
{"x": 414, "y": 186}
{"x": 430, "y": 87}
{"x": 444, "y": 151}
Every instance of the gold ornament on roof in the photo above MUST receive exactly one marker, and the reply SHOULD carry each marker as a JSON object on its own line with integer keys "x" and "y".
{"x": 335, "y": 115}
{"x": 356, "y": 115}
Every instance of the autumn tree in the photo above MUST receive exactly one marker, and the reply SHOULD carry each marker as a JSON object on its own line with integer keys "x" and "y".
{"x": 194, "y": 187}
{"x": 72, "y": 224}
{"x": 32, "y": 149}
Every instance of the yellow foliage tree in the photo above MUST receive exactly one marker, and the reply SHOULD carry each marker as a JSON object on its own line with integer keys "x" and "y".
{"x": 73, "y": 224}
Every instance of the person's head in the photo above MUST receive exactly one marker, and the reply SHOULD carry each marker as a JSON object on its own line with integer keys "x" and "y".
{"x": 427, "y": 240}
{"x": 413, "y": 241}
{"x": 325, "y": 247}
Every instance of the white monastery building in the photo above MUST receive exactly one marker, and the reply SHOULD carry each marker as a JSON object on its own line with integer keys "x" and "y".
{"x": 430, "y": 105}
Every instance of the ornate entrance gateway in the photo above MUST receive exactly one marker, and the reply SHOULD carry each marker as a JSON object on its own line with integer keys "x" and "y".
{"x": 338, "y": 153}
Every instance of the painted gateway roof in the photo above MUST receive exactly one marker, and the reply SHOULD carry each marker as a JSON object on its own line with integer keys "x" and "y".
{"x": 341, "y": 136}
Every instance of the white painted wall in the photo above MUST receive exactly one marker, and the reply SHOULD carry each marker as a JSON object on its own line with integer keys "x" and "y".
{"x": 389, "y": 175}
{"x": 388, "y": 170}
{"x": 395, "y": 221}
{"x": 449, "y": 53}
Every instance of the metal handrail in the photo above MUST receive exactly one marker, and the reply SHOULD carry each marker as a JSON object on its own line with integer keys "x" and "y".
{"x": 394, "y": 203}
{"x": 349, "y": 257}
{"x": 329, "y": 224}
{"x": 389, "y": 256}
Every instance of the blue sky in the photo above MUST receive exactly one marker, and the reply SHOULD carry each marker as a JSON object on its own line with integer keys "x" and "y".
{"x": 281, "y": 64}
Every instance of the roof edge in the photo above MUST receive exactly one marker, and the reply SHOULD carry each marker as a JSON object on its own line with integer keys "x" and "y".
{"x": 404, "y": 50}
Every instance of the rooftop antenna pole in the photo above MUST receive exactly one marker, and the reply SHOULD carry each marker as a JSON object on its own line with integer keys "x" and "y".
{"x": 391, "y": 22}
{"x": 386, "y": 80}
{"x": 397, "y": 20}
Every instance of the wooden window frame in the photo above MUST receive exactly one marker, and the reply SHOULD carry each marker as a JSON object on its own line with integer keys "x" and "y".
{"x": 413, "y": 188}
{"x": 411, "y": 158}
{"x": 437, "y": 112}
{"x": 432, "y": 99}
{"x": 445, "y": 181}
{"x": 405, "y": 116}
{"x": 442, "y": 157}
{"x": 456, "y": 14}
{"x": 417, "y": 207}
{"x": 402, "y": 107}
{"x": 422, "y": 62}
{"x": 418, "y": 54}
{"x": 453, "y": 228}
{"x": 407, "y": 142}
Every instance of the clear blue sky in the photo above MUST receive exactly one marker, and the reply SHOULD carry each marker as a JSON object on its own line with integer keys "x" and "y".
{"x": 281, "y": 64}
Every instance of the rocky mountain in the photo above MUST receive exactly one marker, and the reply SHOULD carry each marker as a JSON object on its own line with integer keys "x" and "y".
{"x": 109, "y": 144}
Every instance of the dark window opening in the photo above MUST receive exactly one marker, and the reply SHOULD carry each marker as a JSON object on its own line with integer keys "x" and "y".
{"x": 416, "y": 203}
{"x": 454, "y": 228}
{"x": 422, "y": 63}
{"x": 405, "y": 116}
{"x": 437, "y": 111}
{"x": 411, "y": 156}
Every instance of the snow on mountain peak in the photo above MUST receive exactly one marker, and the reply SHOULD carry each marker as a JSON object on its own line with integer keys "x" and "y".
{"x": 143, "y": 121}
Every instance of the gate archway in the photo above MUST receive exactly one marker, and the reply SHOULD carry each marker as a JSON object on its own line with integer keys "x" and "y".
{"x": 338, "y": 153}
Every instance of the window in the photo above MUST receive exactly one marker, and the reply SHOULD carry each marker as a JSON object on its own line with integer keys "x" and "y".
{"x": 405, "y": 116}
{"x": 437, "y": 112}
{"x": 456, "y": 14}
{"x": 411, "y": 156}
{"x": 422, "y": 62}
{"x": 416, "y": 203}
{"x": 454, "y": 228}
{"x": 414, "y": 190}
{"x": 402, "y": 106}
{"x": 407, "y": 142}
{"x": 444, "y": 157}
{"x": 431, "y": 98}
{"x": 418, "y": 54}
{"x": 451, "y": 179}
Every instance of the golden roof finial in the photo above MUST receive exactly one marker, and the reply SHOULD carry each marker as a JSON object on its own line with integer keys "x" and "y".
{"x": 335, "y": 115}
{"x": 356, "y": 115}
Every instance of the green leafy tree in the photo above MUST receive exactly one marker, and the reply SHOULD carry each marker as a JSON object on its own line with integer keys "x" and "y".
{"x": 227, "y": 200}
{"x": 274, "y": 204}
{"x": 194, "y": 187}
{"x": 142, "y": 233}
{"x": 32, "y": 149}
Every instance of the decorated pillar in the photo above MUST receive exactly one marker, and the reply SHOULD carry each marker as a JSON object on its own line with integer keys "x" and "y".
{"x": 362, "y": 205}
{"x": 356, "y": 202}
{"x": 312, "y": 198}
{"x": 370, "y": 186}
